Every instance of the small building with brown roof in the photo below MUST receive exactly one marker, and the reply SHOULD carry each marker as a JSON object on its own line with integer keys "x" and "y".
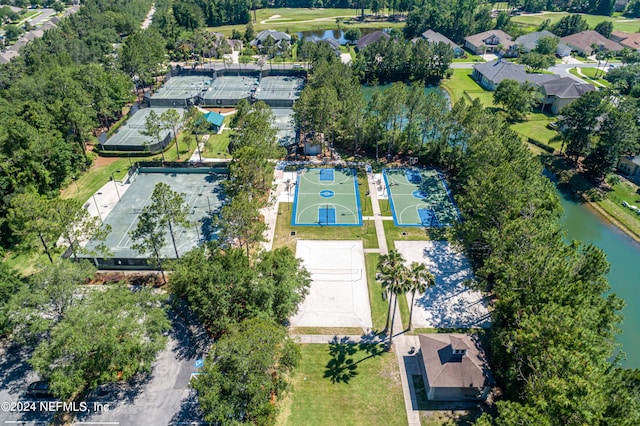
{"x": 489, "y": 41}
{"x": 454, "y": 367}
{"x": 618, "y": 36}
{"x": 584, "y": 41}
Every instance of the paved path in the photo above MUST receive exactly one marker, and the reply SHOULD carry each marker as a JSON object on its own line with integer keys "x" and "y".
{"x": 270, "y": 213}
{"x": 377, "y": 216}
{"x": 147, "y": 21}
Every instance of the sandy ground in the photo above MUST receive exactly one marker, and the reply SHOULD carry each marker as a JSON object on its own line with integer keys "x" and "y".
{"x": 338, "y": 296}
{"x": 449, "y": 304}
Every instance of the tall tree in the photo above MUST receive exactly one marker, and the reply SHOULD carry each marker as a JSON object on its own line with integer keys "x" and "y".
{"x": 143, "y": 54}
{"x": 109, "y": 335}
{"x": 46, "y": 298}
{"x": 32, "y": 221}
{"x": 171, "y": 120}
{"x": 391, "y": 272}
{"x": 153, "y": 128}
{"x": 246, "y": 373}
{"x": 151, "y": 237}
{"x": 241, "y": 223}
{"x": 518, "y": 99}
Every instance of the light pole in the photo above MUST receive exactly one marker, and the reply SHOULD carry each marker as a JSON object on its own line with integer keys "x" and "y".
{"x": 97, "y": 207}
{"x": 115, "y": 184}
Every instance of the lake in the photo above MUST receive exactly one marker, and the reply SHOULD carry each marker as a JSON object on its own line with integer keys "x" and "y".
{"x": 334, "y": 34}
{"x": 583, "y": 224}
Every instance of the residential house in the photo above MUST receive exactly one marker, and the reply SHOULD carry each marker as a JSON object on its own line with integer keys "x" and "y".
{"x": 529, "y": 42}
{"x": 490, "y": 74}
{"x": 620, "y": 5}
{"x": 366, "y": 40}
{"x": 492, "y": 41}
{"x": 435, "y": 37}
{"x": 585, "y": 41}
{"x": 618, "y": 36}
{"x": 629, "y": 165}
{"x": 632, "y": 42}
{"x": 561, "y": 92}
{"x": 277, "y": 36}
{"x": 454, "y": 367}
{"x": 332, "y": 43}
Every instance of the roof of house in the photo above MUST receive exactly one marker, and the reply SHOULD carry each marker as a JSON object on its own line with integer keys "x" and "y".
{"x": 276, "y": 35}
{"x": 333, "y": 43}
{"x": 618, "y": 35}
{"x": 446, "y": 369}
{"x": 478, "y": 40}
{"x": 585, "y": 39}
{"x": 566, "y": 88}
{"x": 498, "y": 70}
{"x": 435, "y": 37}
{"x": 632, "y": 42}
{"x": 530, "y": 41}
{"x": 366, "y": 40}
{"x": 214, "y": 118}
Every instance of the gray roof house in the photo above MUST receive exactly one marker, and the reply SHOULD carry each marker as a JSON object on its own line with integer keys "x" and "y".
{"x": 366, "y": 40}
{"x": 277, "y": 37}
{"x": 561, "y": 92}
{"x": 435, "y": 37}
{"x": 529, "y": 42}
{"x": 489, "y": 41}
{"x": 490, "y": 74}
{"x": 454, "y": 367}
{"x": 332, "y": 43}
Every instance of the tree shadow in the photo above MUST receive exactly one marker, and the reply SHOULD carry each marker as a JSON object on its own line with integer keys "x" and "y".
{"x": 191, "y": 338}
{"x": 342, "y": 367}
{"x": 189, "y": 412}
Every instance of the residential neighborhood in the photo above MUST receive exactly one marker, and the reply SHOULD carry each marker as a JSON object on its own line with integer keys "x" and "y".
{"x": 327, "y": 212}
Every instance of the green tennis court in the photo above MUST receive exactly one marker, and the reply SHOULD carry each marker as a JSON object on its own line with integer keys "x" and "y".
{"x": 326, "y": 197}
{"x": 419, "y": 198}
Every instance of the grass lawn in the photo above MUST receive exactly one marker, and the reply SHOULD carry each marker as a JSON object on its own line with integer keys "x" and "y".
{"x": 589, "y": 74}
{"x": 619, "y": 23}
{"x": 461, "y": 85}
{"x": 217, "y": 146}
{"x": 302, "y": 19}
{"x": 379, "y": 305}
{"x": 283, "y": 238}
{"x": 344, "y": 385}
{"x": 28, "y": 263}
{"x": 623, "y": 191}
{"x": 536, "y": 128}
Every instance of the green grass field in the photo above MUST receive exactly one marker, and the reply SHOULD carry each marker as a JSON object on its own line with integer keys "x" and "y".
{"x": 536, "y": 128}
{"x": 283, "y": 237}
{"x": 589, "y": 75}
{"x": 379, "y": 305}
{"x": 344, "y": 385}
{"x": 461, "y": 85}
{"x": 302, "y": 19}
{"x": 623, "y": 191}
{"x": 619, "y": 22}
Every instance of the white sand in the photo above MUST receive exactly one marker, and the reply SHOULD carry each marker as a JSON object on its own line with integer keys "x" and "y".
{"x": 449, "y": 303}
{"x": 338, "y": 296}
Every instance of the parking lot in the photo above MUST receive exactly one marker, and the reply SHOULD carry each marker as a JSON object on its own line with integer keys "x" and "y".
{"x": 163, "y": 397}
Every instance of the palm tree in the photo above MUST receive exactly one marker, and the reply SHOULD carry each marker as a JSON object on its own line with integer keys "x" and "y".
{"x": 388, "y": 267}
{"x": 399, "y": 286}
{"x": 420, "y": 278}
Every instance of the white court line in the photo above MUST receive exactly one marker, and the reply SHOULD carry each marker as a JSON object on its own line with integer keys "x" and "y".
{"x": 96, "y": 423}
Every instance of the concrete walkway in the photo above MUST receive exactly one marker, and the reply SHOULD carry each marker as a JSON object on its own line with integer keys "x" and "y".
{"x": 377, "y": 216}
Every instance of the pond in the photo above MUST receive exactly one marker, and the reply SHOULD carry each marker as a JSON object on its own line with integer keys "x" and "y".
{"x": 334, "y": 34}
